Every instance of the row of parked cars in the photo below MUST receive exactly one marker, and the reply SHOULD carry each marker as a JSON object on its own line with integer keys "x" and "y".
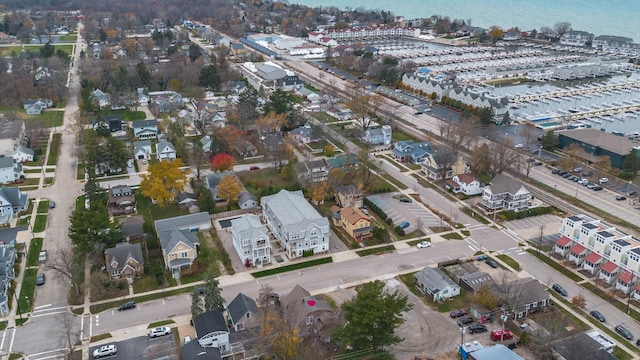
{"x": 463, "y": 320}
{"x": 582, "y": 181}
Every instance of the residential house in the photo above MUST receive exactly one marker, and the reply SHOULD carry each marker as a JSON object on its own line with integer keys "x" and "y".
{"x": 165, "y": 151}
{"x": 122, "y": 200}
{"x": 211, "y": 329}
{"x": 314, "y": 171}
{"x": 12, "y": 134}
{"x": 142, "y": 149}
{"x": 378, "y": 136}
{"x": 7, "y": 260}
{"x": 246, "y": 149}
{"x": 178, "y": 239}
{"x": 22, "y": 154}
{"x": 303, "y": 134}
{"x": 124, "y": 260}
{"x": 212, "y": 180}
{"x": 251, "y": 241}
{"x": 295, "y": 224}
{"x": 435, "y": 284}
{"x": 143, "y": 96}
{"x": 100, "y": 98}
{"x": 467, "y": 184}
{"x": 185, "y": 198}
{"x": 344, "y": 162}
{"x": 411, "y": 151}
{"x": 243, "y": 313}
{"x": 10, "y": 170}
{"x": 353, "y": 221}
{"x": 12, "y": 202}
{"x": 505, "y": 193}
{"x": 36, "y": 106}
{"x": 131, "y": 227}
{"x": 310, "y": 95}
{"x": 205, "y": 143}
{"x": 160, "y": 105}
{"x": 238, "y": 50}
{"x": 289, "y": 82}
{"x": 247, "y": 200}
{"x": 576, "y": 38}
{"x": 311, "y": 316}
{"x": 145, "y": 129}
{"x": 348, "y": 195}
{"x": 592, "y": 345}
{"x": 112, "y": 122}
{"x": 529, "y": 294}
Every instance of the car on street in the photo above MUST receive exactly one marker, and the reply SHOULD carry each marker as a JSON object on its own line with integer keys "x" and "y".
{"x": 254, "y": 168}
{"x": 491, "y": 263}
{"x": 632, "y": 193}
{"x": 127, "y": 305}
{"x": 404, "y": 225}
{"x": 555, "y": 171}
{"x": 105, "y": 350}
{"x": 40, "y": 279}
{"x": 423, "y": 244}
{"x": 577, "y": 169}
{"x": 597, "y": 188}
{"x": 497, "y": 335}
{"x": 624, "y": 332}
{"x": 518, "y": 146}
{"x": 405, "y": 200}
{"x": 457, "y": 313}
{"x": 52, "y": 204}
{"x": 598, "y": 315}
{"x": 159, "y": 331}
{"x": 42, "y": 257}
{"x": 603, "y": 180}
{"x": 477, "y": 328}
{"x": 559, "y": 289}
{"x": 465, "y": 320}
{"x": 621, "y": 198}
{"x": 562, "y": 172}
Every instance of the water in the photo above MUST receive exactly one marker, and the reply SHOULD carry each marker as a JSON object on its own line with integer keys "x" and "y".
{"x": 611, "y": 17}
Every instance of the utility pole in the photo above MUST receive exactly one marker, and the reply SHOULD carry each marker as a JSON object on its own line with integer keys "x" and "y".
{"x": 540, "y": 239}
{"x": 504, "y": 318}
{"x": 462, "y": 331}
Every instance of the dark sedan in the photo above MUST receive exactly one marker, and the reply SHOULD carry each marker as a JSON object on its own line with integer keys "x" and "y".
{"x": 465, "y": 321}
{"x": 477, "y": 328}
{"x": 598, "y": 315}
{"x": 457, "y": 313}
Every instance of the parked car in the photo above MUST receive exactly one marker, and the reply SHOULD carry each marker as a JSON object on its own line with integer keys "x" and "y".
{"x": 562, "y": 172}
{"x": 632, "y": 193}
{"x": 497, "y": 335}
{"x": 105, "y": 350}
{"x": 477, "y": 328}
{"x": 42, "y": 257}
{"x": 254, "y": 168}
{"x": 491, "y": 263}
{"x": 577, "y": 170}
{"x": 598, "y": 315}
{"x": 518, "y": 146}
{"x": 405, "y": 200}
{"x": 144, "y": 161}
{"x": 187, "y": 339}
{"x": 603, "y": 180}
{"x": 404, "y": 225}
{"x": 559, "y": 289}
{"x": 127, "y": 305}
{"x": 597, "y": 188}
{"x": 457, "y": 313}
{"x": 624, "y": 332}
{"x": 40, "y": 279}
{"x": 465, "y": 320}
{"x": 555, "y": 171}
{"x": 584, "y": 182}
{"x": 620, "y": 198}
{"x": 52, "y": 204}
{"x": 159, "y": 331}
{"x": 423, "y": 244}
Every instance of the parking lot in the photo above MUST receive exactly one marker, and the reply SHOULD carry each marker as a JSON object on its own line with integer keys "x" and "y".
{"x": 145, "y": 348}
{"x": 400, "y": 211}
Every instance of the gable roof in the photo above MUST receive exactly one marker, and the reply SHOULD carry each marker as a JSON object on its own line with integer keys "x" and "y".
{"x": 245, "y": 196}
{"x": 299, "y": 303}
{"x": 6, "y": 162}
{"x": 349, "y": 189}
{"x": 434, "y": 279}
{"x": 121, "y": 253}
{"x": 194, "y": 351}
{"x": 164, "y": 145}
{"x": 342, "y": 160}
{"x": 467, "y": 178}
{"x": 170, "y": 238}
{"x": 185, "y": 196}
{"x": 353, "y": 214}
{"x": 144, "y": 123}
{"x": 131, "y": 225}
{"x": 208, "y": 322}
{"x": 240, "y": 306}
{"x": 502, "y": 184}
{"x": 293, "y": 210}
{"x": 182, "y": 222}
{"x": 249, "y": 227}
{"x": 14, "y": 196}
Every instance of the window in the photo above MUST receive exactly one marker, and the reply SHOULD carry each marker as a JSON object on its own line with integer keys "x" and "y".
{"x": 248, "y": 315}
{"x": 184, "y": 254}
{"x": 527, "y": 306}
{"x": 535, "y": 304}
{"x": 245, "y": 242}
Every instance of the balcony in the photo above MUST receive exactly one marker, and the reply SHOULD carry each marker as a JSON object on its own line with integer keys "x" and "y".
{"x": 233, "y": 349}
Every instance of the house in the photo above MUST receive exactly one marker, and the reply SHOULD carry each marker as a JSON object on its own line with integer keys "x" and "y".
{"x": 205, "y": 143}
{"x": 303, "y": 134}
{"x": 131, "y": 227}
{"x": 12, "y": 134}
{"x": 247, "y": 200}
{"x": 10, "y": 170}
{"x": 124, "y": 260}
{"x": 344, "y": 162}
{"x": 529, "y": 294}
{"x": 12, "y": 202}
{"x": 505, "y": 193}
{"x": 295, "y": 224}
{"x": 348, "y": 195}
{"x": 435, "y": 284}
{"x": 467, "y": 184}
{"x": 112, "y": 122}
{"x": 243, "y": 313}
{"x": 160, "y": 105}
{"x": 354, "y": 222}
{"x": 310, "y": 315}
{"x": 592, "y": 345}
{"x": 100, "y": 98}
{"x": 143, "y": 96}
{"x": 245, "y": 149}
{"x": 314, "y": 171}
{"x": 310, "y": 95}
{"x": 251, "y": 241}
{"x": 7, "y": 260}
{"x": 497, "y": 351}
{"x": 411, "y": 151}
{"x": 22, "y": 154}
{"x": 142, "y": 149}
{"x": 576, "y": 38}
{"x": 378, "y": 136}
{"x": 211, "y": 329}
{"x": 178, "y": 239}
{"x": 145, "y": 129}
{"x": 436, "y": 166}
{"x": 212, "y": 180}
{"x": 121, "y": 200}
{"x": 36, "y": 106}
{"x": 185, "y": 198}
{"x": 165, "y": 151}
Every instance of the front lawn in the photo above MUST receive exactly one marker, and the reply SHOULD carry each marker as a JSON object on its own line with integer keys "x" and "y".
{"x": 43, "y": 206}
{"x": 27, "y": 290}
{"x": 34, "y": 251}
{"x": 127, "y": 115}
{"x": 40, "y": 223}
{"x": 53, "y": 152}
{"x": 152, "y": 212}
{"x": 509, "y": 261}
{"x": 48, "y": 118}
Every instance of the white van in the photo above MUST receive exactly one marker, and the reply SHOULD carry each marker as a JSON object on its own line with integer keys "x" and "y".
{"x": 583, "y": 181}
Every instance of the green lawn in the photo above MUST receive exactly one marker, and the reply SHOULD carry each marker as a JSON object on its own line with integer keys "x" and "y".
{"x": 23, "y": 221}
{"x": 452, "y": 236}
{"x": 49, "y": 118}
{"x": 53, "y": 152}
{"x": 126, "y": 114}
{"x": 40, "y": 224}
{"x": 395, "y": 181}
{"x": 43, "y": 206}
{"x": 34, "y": 251}
{"x": 568, "y": 273}
{"x": 509, "y": 261}
{"x": 324, "y": 117}
{"x": 378, "y": 250}
{"x": 398, "y": 135}
{"x": 291, "y": 267}
{"x": 68, "y": 38}
{"x": 153, "y": 212}
{"x": 139, "y": 299}
{"x": 25, "y": 301}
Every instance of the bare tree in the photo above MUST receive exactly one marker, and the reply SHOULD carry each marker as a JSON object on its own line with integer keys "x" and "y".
{"x": 68, "y": 333}
{"x": 561, "y": 28}
{"x": 67, "y": 265}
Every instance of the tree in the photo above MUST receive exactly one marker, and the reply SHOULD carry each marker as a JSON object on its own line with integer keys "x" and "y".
{"x": 329, "y": 150}
{"x": 194, "y": 52}
{"x": 630, "y": 165}
{"x": 229, "y": 188}
{"x": 247, "y": 107}
{"x": 209, "y": 78}
{"x": 276, "y": 336}
{"x": 67, "y": 265}
{"x": 319, "y": 192}
{"x": 486, "y": 297}
{"x": 372, "y": 317}
{"x": 271, "y": 122}
{"x": 92, "y": 230}
{"x": 198, "y": 159}
{"x": 579, "y": 301}
{"x": 561, "y": 28}
{"x": 222, "y": 162}
{"x": 280, "y": 102}
{"x": 549, "y": 140}
{"x": 163, "y": 181}
{"x": 208, "y": 297}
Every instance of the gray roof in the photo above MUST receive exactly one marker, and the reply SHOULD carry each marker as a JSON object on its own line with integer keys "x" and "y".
{"x": 6, "y": 162}
{"x": 293, "y": 210}
{"x": 530, "y": 291}
{"x": 24, "y": 149}
{"x": 349, "y": 189}
{"x": 245, "y": 196}
{"x": 249, "y": 227}
{"x": 144, "y": 123}
{"x": 477, "y": 280}
{"x": 209, "y": 322}
{"x": 193, "y": 351}
{"x": 182, "y": 222}
{"x": 622, "y": 242}
{"x": 600, "y": 139}
{"x": 240, "y": 306}
{"x": 605, "y": 234}
{"x": 583, "y": 347}
{"x": 590, "y": 226}
{"x": 121, "y": 253}
{"x": 214, "y": 179}
{"x": 185, "y": 196}
{"x": 120, "y": 190}
{"x": 131, "y": 225}
{"x": 14, "y": 196}
{"x": 494, "y": 352}
{"x": 434, "y": 279}
{"x": 162, "y": 145}
{"x": 170, "y": 238}
{"x": 502, "y": 184}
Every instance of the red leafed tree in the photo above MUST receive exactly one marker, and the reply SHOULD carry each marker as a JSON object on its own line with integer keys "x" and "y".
{"x": 222, "y": 162}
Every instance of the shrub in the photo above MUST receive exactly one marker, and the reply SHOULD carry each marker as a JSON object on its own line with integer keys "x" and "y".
{"x": 399, "y": 231}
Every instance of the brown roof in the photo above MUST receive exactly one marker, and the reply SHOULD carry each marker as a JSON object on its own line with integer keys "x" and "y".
{"x": 466, "y": 178}
{"x": 353, "y": 214}
{"x": 613, "y": 143}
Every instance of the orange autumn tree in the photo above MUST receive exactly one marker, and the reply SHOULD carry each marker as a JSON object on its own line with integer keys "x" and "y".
{"x": 222, "y": 162}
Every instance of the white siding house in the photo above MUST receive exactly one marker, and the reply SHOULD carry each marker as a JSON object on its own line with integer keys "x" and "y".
{"x": 250, "y": 240}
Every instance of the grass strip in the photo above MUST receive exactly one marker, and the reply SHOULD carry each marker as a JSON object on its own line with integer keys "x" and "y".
{"x": 509, "y": 261}
{"x": 40, "y": 223}
{"x": 547, "y": 260}
{"x": 377, "y": 250}
{"x": 160, "y": 323}
{"x": 53, "y": 151}
{"x": 295, "y": 266}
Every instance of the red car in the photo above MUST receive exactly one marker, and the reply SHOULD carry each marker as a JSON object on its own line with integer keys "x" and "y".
{"x": 254, "y": 168}
{"x": 496, "y": 335}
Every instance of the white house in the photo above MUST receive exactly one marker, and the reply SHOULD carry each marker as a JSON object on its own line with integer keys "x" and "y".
{"x": 12, "y": 202}
{"x": 10, "y": 170}
{"x": 22, "y": 154}
{"x": 165, "y": 151}
{"x": 251, "y": 241}
{"x": 206, "y": 143}
{"x": 436, "y": 284}
{"x": 296, "y": 225}
{"x": 142, "y": 149}
{"x": 145, "y": 129}
{"x": 505, "y": 193}
{"x": 378, "y": 136}
{"x": 467, "y": 184}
